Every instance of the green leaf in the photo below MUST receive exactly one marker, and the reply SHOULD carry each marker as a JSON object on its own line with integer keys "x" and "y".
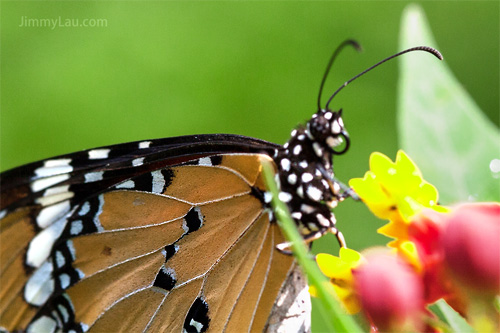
{"x": 330, "y": 308}
{"x": 450, "y": 317}
{"x": 440, "y": 126}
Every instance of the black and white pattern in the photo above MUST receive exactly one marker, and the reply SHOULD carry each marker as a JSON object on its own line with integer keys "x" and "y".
{"x": 306, "y": 179}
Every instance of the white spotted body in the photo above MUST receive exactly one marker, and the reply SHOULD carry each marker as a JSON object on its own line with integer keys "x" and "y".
{"x": 306, "y": 179}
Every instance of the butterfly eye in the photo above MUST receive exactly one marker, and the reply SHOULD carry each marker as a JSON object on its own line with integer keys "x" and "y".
{"x": 327, "y": 128}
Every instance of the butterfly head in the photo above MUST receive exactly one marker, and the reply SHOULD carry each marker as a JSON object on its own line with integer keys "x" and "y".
{"x": 326, "y": 127}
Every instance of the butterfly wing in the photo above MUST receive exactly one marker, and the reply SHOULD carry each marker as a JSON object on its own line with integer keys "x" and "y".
{"x": 160, "y": 235}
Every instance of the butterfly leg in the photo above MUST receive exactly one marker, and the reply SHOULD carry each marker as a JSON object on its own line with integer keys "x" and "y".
{"x": 332, "y": 181}
{"x": 339, "y": 236}
{"x": 347, "y": 192}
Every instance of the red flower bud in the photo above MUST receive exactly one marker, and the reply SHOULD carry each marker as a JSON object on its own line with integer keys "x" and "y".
{"x": 390, "y": 292}
{"x": 471, "y": 244}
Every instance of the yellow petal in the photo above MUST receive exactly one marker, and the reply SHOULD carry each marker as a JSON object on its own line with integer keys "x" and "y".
{"x": 351, "y": 257}
{"x": 394, "y": 229}
{"x": 427, "y": 194}
{"x": 406, "y": 165}
{"x": 381, "y": 165}
{"x": 409, "y": 251}
{"x": 330, "y": 265}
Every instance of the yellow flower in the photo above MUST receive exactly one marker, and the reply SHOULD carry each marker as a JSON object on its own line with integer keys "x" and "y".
{"x": 339, "y": 270}
{"x": 394, "y": 190}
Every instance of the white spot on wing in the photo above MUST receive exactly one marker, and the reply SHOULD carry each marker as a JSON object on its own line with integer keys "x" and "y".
{"x": 158, "y": 181}
{"x": 76, "y": 227}
{"x": 55, "y": 195}
{"x": 170, "y": 271}
{"x": 138, "y": 161}
{"x": 97, "y": 154}
{"x": 206, "y": 161}
{"x": 64, "y": 313}
{"x": 126, "y": 184}
{"x": 71, "y": 249}
{"x": 64, "y": 280}
{"x": 48, "y": 215}
{"x": 55, "y": 315}
{"x": 292, "y": 179}
{"x": 144, "y": 144}
{"x": 42, "y": 324}
{"x": 268, "y": 197}
{"x": 198, "y": 326}
{"x": 56, "y": 163}
{"x": 84, "y": 209}
{"x": 56, "y": 190}
{"x": 97, "y": 222}
{"x": 41, "y": 245}
{"x": 43, "y": 183}
{"x": 60, "y": 260}
{"x": 96, "y": 176}
{"x": 40, "y": 285}
{"x": 54, "y": 167}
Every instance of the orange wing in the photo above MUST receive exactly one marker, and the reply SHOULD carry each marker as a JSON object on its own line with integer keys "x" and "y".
{"x": 185, "y": 247}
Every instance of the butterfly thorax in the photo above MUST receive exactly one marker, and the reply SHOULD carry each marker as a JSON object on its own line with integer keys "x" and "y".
{"x": 306, "y": 179}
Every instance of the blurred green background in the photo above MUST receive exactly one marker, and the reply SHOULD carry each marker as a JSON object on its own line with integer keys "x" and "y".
{"x": 159, "y": 69}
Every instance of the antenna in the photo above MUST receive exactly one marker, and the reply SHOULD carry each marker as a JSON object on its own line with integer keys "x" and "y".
{"x": 417, "y": 48}
{"x": 339, "y": 48}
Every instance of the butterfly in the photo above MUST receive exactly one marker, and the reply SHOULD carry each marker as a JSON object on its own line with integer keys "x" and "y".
{"x": 162, "y": 235}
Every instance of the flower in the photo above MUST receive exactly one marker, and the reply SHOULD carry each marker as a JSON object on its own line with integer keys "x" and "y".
{"x": 394, "y": 190}
{"x": 471, "y": 246}
{"x": 339, "y": 270}
{"x": 390, "y": 292}
{"x": 425, "y": 233}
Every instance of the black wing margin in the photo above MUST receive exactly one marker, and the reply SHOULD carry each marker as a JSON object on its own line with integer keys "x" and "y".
{"x": 92, "y": 171}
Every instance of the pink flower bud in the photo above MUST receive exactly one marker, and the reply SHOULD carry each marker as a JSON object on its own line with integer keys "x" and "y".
{"x": 390, "y": 292}
{"x": 471, "y": 242}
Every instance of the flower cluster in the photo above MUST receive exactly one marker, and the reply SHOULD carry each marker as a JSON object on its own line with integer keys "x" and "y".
{"x": 436, "y": 252}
